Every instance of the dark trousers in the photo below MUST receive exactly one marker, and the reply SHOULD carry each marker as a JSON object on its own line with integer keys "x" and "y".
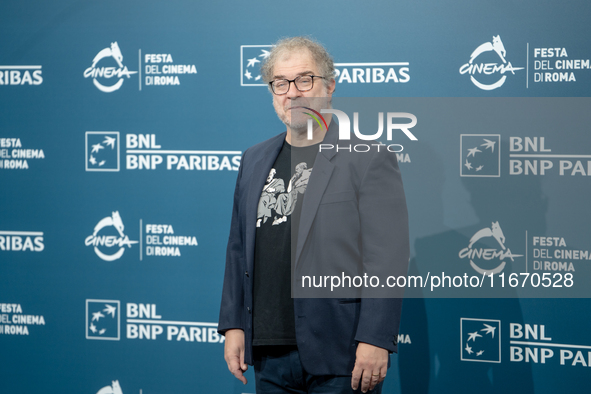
{"x": 278, "y": 370}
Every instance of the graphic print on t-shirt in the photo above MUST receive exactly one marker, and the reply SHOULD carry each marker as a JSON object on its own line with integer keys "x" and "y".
{"x": 277, "y": 201}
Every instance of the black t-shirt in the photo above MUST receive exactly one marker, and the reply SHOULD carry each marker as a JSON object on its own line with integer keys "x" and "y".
{"x": 278, "y": 219}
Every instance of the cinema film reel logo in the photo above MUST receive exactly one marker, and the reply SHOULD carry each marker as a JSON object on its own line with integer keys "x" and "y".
{"x": 108, "y": 242}
{"x": 475, "y": 69}
{"x": 99, "y": 74}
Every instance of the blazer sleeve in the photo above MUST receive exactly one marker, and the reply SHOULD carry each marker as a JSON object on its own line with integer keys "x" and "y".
{"x": 385, "y": 248}
{"x": 232, "y": 305}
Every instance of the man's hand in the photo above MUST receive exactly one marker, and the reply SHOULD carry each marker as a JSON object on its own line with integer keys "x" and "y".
{"x": 371, "y": 365}
{"x": 234, "y": 353}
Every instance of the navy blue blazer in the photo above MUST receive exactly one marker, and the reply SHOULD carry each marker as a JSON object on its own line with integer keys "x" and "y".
{"x": 327, "y": 329}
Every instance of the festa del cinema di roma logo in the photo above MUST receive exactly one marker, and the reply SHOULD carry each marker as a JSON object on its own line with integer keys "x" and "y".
{"x": 109, "y": 240}
{"x": 488, "y": 257}
{"x": 475, "y": 69}
{"x": 105, "y": 74}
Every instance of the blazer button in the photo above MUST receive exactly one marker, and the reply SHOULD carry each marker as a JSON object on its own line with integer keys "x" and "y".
{"x": 248, "y": 309}
{"x": 247, "y": 275}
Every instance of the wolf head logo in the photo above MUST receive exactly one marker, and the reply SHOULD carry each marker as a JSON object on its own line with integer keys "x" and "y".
{"x": 499, "y": 48}
{"x": 494, "y": 231}
{"x": 116, "y": 53}
{"x": 113, "y": 389}
{"x": 117, "y": 222}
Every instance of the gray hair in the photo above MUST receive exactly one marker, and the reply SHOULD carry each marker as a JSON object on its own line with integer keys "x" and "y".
{"x": 292, "y": 44}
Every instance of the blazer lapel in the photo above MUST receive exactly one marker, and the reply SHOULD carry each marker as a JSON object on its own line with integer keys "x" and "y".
{"x": 317, "y": 184}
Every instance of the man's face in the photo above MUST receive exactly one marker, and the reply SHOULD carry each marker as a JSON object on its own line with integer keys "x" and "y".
{"x": 290, "y": 67}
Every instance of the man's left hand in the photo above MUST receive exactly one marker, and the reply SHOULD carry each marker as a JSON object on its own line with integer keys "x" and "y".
{"x": 371, "y": 365}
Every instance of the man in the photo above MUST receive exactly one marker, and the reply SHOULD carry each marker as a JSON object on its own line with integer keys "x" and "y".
{"x": 310, "y": 345}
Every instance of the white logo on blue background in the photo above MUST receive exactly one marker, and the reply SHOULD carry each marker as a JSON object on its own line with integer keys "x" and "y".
{"x": 480, "y": 340}
{"x": 485, "y": 68}
{"x": 106, "y": 73}
{"x": 480, "y": 155}
{"x": 251, "y": 57}
{"x": 110, "y": 238}
{"x": 114, "y": 388}
{"x": 103, "y": 319}
{"x": 481, "y": 259}
{"x": 102, "y": 151}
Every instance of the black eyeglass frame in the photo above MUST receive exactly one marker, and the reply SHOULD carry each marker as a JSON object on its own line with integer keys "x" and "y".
{"x": 294, "y": 83}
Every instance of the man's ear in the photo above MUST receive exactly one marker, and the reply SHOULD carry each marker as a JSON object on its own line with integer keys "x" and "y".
{"x": 331, "y": 87}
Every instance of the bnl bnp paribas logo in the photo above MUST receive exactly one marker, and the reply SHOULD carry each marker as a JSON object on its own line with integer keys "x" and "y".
{"x": 102, "y": 151}
{"x": 21, "y": 75}
{"x": 480, "y": 155}
{"x": 144, "y": 153}
{"x": 488, "y": 67}
{"x": 108, "y": 239}
{"x": 480, "y": 340}
{"x": 251, "y": 57}
{"x": 107, "y": 70}
{"x": 103, "y": 320}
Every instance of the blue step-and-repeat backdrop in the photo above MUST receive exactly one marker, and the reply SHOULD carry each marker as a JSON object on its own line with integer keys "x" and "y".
{"x": 121, "y": 132}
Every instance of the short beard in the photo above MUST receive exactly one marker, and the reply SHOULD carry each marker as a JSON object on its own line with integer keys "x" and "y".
{"x": 299, "y": 126}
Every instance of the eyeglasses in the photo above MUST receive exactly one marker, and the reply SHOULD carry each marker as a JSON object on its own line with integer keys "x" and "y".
{"x": 303, "y": 83}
